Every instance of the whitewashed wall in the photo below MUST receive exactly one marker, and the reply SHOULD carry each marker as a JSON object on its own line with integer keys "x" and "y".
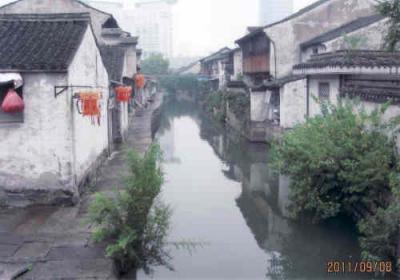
{"x": 90, "y": 141}
{"x": 237, "y": 64}
{"x": 36, "y": 154}
{"x": 391, "y": 112}
{"x": 293, "y": 103}
{"x": 334, "y": 86}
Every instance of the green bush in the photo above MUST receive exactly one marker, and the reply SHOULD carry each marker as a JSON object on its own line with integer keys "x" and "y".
{"x": 345, "y": 162}
{"x": 134, "y": 227}
{"x": 339, "y": 162}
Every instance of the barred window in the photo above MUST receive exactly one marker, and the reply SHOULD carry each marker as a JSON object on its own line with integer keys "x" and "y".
{"x": 324, "y": 91}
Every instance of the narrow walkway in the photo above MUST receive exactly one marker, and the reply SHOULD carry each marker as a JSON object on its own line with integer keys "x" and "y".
{"x": 50, "y": 243}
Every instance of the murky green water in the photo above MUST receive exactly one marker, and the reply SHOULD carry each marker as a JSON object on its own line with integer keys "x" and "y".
{"x": 224, "y": 194}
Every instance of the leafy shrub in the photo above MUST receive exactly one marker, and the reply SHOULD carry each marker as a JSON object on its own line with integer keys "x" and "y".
{"x": 340, "y": 162}
{"x": 134, "y": 228}
{"x": 345, "y": 162}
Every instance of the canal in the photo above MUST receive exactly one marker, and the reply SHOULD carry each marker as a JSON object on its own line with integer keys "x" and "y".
{"x": 225, "y": 195}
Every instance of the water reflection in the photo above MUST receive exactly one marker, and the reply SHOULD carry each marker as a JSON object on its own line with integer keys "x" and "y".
{"x": 224, "y": 193}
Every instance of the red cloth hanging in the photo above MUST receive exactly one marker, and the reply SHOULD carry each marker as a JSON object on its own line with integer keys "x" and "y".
{"x": 90, "y": 103}
{"x": 123, "y": 93}
{"x": 12, "y": 103}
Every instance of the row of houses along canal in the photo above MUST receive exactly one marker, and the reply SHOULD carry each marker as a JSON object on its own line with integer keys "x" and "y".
{"x": 230, "y": 206}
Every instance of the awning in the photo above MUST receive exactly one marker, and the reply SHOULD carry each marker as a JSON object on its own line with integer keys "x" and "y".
{"x": 11, "y": 77}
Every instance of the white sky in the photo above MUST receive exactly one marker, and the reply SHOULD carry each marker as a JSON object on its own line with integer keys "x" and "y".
{"x": 204, "y": 26}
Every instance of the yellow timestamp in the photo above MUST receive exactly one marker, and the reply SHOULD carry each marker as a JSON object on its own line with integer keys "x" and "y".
{"x": 359, "y": 267}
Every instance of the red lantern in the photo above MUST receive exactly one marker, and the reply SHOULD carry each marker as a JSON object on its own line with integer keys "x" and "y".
{"x": 90, "y": 103}
{"x": 123, "y": 93}
{"x": 12, "y": 103}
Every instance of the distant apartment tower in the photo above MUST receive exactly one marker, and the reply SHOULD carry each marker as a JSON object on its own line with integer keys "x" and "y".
{"x": 274, "y": 10}
{"x": 153, "y": 22}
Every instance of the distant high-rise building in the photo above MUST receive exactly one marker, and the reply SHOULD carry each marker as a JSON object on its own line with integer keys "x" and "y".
{"x": 274, "y": 10}
{"x": 153, "y": 22}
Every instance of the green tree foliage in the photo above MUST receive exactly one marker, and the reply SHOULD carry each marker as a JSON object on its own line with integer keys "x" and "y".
{"x": 181, "y": 83}
{"x": 344, "y": 162}
{"x": 132, "y": 221}
{"x": 155, "y": 65}
{"x": 239, "y": 104}
{"x": 391, "y": 9}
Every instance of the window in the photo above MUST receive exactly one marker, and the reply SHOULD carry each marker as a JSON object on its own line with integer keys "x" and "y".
{"x": 324, "y": 91}
{"x": 315, "y": 50}
{"x": 7, "y": 117}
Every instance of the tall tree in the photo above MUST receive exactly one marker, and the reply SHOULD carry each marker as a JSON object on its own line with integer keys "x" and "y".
{"x": 391, "y": 10}
{"x": 155, "y": 65}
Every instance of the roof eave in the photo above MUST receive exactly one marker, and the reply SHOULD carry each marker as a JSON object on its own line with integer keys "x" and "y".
{"x": 336, "y": 70}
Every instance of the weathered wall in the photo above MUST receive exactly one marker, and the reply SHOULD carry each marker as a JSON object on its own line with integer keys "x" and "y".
{"x": 259, "y": 105}
{"x": 89, "y": 140}
{"x": 237, "y": 64}
{"x": 57, "y": 6}
{"x": 289, "y": 34}
{"x": 36, "y": 154}
{"x": 130, "y": 61}
{"x": 369, "y": 38}
{"x": 293, "y": 103}
{"x": 334, "y": 86}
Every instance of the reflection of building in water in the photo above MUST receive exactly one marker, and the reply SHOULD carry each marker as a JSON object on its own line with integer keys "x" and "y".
{"x": 260, "y": 198}
{"x": 167, "y": 143}
{"x": 267, "y": 225}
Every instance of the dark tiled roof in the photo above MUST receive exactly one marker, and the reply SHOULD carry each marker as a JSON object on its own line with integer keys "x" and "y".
{"x": 344, "y": 29}
{"x": 254, "y": 32}
{"x": 40, "y": 42}
{"x": 370, "y": 93}
{"x": 277, "y": 83}
{"x": 352, "y": 58}
{"x": 113, "y": 57}
{"x": 299, "y": 13}
{"x": 217, "y": 55}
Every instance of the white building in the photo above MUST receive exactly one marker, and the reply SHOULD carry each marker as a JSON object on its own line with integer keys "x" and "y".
{"x": 274, "y": 10}
{"x": 52, "y": 146}
{"x": 154, "y": 26}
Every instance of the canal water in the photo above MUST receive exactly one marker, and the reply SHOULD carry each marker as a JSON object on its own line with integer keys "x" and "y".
{"x": 225, "y": 196}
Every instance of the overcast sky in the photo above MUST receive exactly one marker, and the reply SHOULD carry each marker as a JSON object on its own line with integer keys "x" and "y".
{"x": 202, "y": 26}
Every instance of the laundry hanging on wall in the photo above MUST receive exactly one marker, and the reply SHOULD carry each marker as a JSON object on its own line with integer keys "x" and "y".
{"x": 12, "y": 103}
{"x": 90, "y": 105}
{"x": 123, "y": 93}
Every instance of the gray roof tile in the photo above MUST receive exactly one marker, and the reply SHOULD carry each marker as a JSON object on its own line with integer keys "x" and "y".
{"x": 40, "y": 42}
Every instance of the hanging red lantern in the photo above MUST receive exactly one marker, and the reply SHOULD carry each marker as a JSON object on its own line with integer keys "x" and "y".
{"x": 123, "y": 93}
{"x": 90, "y": 103}
{"x": 12, "y": 103}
